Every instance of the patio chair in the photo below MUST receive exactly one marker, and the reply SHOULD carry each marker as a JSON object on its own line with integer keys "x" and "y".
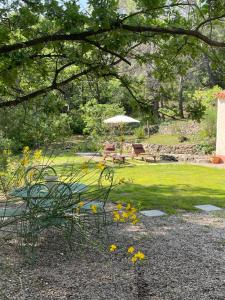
{"x": 139, "y": 152}
{"x": 98, "y": 196}
{"x": 46, "y": 209}
{"x": 38, "y": 173}
{"x": 109, "y": 150}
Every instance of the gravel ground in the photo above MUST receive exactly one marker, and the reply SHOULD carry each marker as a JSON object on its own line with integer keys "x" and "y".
{"x": 185, "y": 260}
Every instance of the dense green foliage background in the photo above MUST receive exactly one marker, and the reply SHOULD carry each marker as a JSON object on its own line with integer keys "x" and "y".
{"x": 147, "y": 57}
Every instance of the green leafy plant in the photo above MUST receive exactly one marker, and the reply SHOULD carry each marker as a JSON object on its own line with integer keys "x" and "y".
{"x": 139, "y": 133}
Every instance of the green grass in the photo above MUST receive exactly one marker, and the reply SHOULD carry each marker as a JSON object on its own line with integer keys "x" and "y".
{"x": 163, "y": 139}
{"x": 169, "y": 187}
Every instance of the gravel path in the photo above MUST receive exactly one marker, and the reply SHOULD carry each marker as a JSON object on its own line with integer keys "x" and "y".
{"x": 185, "y": 260}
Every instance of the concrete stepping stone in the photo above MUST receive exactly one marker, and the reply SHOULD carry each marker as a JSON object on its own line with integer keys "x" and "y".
{"x": 152, "y": 213}
{"x": 208, "y": 207}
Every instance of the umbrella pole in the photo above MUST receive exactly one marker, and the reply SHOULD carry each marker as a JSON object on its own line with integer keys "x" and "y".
{"x": 121, "y": 143}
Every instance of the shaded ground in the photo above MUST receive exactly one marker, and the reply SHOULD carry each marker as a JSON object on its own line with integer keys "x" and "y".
{"x": 185, "y": 260}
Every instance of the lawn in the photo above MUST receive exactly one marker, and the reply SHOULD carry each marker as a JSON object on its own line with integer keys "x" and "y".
{"x": 162, "y": 139}
{"x": 169, "y": 187}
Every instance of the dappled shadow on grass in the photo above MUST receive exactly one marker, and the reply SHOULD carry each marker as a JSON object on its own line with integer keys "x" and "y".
{"x": 170, "y": 198}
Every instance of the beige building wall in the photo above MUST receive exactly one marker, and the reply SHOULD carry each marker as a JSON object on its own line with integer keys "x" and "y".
{"x": 220, "y": 136}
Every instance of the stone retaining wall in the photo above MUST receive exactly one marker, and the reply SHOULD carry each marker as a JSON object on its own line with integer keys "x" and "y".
{"x": 180, "y": 152}
{"x": 189, "y": 149}
{"x": 181, "y": 128}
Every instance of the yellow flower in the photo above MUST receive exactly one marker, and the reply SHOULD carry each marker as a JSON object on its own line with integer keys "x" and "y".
{"x": 116, "y": 216}
{"x": 134, "y": 259}
{"x": 135, "y": 222}
{"x": 24, "y": 162}
{"x": 112, "y": 248}
{"x": 130, "y": 249}
{"x": 133, "y": 210}
{"x": 80, "y": 204}
{"x": 94, "y": 209}
{"x": 140, "y": 255}
{"x": 125, "y": 215}
{"x": 128, "y": 206}
{"x": 37, "y": 154}
{"x": 119, "y": 206}
{"x": 101, "y": 165}
{"x": 26, "y": 150}
{"x": 133, "y": 217}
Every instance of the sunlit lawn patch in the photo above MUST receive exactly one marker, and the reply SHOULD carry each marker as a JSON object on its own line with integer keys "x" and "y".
{"x": 168, "y": 187}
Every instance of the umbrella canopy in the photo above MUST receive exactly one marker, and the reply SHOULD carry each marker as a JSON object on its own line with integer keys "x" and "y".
{"x": 120, "y": 119}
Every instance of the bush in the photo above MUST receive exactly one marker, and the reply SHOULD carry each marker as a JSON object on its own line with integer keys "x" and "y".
{"x": 5, "y": 143}
{"x": 94, "y": 114}
{"x": 208, "y": 146}
{"x": 208, "y": 125}
{"x": 88, "y": 145}
{"x": 139, "y": 133}
{"x": 41, "y": 123}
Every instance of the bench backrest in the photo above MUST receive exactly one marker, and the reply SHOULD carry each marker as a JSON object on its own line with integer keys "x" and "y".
{"x": 109, "y": 147}
{"x": 138, "y": 149}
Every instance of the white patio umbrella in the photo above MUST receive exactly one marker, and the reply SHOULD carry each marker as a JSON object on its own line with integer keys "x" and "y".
{"x": 119, "y": 121}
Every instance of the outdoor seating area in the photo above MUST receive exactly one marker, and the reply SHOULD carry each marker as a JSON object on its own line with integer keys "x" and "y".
{"x": 138, "y": 152}
{"x": 45, "y": 202}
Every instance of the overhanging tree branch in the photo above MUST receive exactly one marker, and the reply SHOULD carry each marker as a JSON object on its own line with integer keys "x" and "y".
{"x": 57, "y": 86}
{"x": 40, "y": 92}
{"x": 82, "y": 36}
{"x": 209, "y": 20}
{"x": 173, "y": 31}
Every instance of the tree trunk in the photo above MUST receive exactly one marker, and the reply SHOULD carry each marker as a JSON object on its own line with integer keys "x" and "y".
{"x": 181, "y": 98}
{"x": 156, "y": 107}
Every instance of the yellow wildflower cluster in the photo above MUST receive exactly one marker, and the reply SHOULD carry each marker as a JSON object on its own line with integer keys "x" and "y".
{"x": 126, "y": 214}
{"x": 24, "y": 161}
{"x": 138, "y": 256}
{"x": 79, "y": 205}
{"x": 26, "y": 156}
{"x": 26, "y": 150}
{"x": 37, "y": 155}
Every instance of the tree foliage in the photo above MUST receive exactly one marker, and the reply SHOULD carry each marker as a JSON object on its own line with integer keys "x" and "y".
{"x": 52, "y": 49}
{"x": 45, "y": 45}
